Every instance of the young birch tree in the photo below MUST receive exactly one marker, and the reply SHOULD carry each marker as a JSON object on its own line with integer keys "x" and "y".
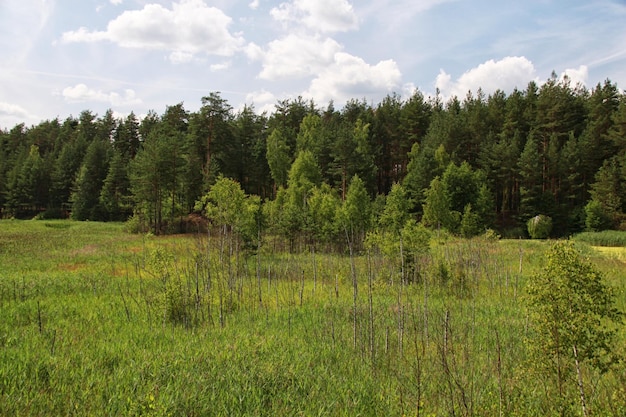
{"x": 574, "y": 318}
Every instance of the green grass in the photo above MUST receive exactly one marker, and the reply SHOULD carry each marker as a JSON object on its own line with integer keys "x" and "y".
{"x": 94, "y": 321}
{"x": 612, "y": 238}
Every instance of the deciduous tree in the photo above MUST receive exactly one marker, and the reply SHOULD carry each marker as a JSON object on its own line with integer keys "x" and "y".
{"x": 573, "y": 317}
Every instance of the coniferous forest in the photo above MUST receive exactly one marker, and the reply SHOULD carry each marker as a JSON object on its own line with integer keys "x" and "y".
{"x": 465, "y": 164}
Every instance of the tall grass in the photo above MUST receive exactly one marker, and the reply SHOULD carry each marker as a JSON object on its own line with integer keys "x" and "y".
{"x": 97, "y": 322}
{"x": 603, "y": 238}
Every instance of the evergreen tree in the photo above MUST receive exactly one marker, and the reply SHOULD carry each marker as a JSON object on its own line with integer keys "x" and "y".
{"x": 86, "y": 195}
{"x": 531, "y": 181}
{"x": 249, "y": 165}
{"x": 115, "y": 193}
{"x": 28, "y": 185}
{"x": 391, "y": 158}
{"x": 601, "y": 105}
{"x": 65, "y": 170}
{"x": 126, "y": 138}
{"x": 606, "y": 197}
{"x": 155, "y": 176}
{"x": 352, "y": 155}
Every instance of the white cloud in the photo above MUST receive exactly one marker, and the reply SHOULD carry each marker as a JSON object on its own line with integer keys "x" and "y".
{"x": 263, "y": 101}
{"x": 80, "y": 93}
{"x": 8, "y": 109}
{"x": 84, "y": 35}
{"x": 351, "y": 77}
{"x": 254, "y": 52}
{"x": 295, "y": 56}
{"x": 180, "y": 57}
{"x": 505, "y": 75}
{"x": 254, "y": 4}
{"x": 190, "y": 27}
{"x": 220, "y": 67}
{"x": 318, "y": 15}
{"x": 576, "y": 76}
{"x": 116, "y": 2}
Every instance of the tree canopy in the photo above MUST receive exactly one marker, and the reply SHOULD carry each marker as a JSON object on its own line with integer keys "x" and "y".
{"x": 467, "y": 164}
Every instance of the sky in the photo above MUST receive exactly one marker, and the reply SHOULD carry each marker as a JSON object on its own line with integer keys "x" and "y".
{"x": 60, "y": 57}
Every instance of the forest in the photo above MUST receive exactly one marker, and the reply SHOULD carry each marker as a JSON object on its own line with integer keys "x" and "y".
{"x": 315, "y": 261}
{"x": 464, "y": 164}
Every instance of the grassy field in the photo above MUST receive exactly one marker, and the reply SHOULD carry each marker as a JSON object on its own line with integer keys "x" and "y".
{"x": 95, "y": 321}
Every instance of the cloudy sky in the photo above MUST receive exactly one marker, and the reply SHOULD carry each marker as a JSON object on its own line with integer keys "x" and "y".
{"x": 58, "y": 57}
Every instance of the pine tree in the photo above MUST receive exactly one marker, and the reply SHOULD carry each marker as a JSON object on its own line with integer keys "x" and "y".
{"x": 86, "y": 195}
{"x": 115, "y": 193}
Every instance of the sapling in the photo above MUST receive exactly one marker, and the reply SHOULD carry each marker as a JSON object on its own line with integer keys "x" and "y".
{"x": 573, "y": 318}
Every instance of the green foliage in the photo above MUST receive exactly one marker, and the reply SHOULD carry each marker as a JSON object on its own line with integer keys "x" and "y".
{"x": 462, "y": 184}
{"x": 596, "y": 217}
{"x": 27, "y": 184}
{"x": 552, "y": 148}
{"x": 91, "y": 176}
{"x": 437, "y": 207}
{"x": 539, "y": 227}
{"x": 323, "y": 206}
{"x": 227, "y": 205}
{"x": 278, "y": 157}
{"x": 470, "y": 223}
{"x": 573, "y": 317}
{"x": 604, "y": 238}
{"x": 356, "y": 213}
{"x": 396, "y": 211}
{"x": 119, "y": 324}
{"x": 156, "y": 177}
{"x": 115, "y": 193}
{"x": 605, "y": 207}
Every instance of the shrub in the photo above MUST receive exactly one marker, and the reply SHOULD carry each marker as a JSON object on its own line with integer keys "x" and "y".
{"x": 52, "y": 214}
{"x": 596, "y": 217}
{"x": 136, "y": 224}
{"x": 539, "y": 227}
{"x": 470, "y": 222}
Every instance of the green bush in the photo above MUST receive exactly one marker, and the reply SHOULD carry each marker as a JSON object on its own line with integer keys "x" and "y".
{"x": 470, "y": 222}
{"x": 136, "y": 224}
{"x": 51, "y": 214}
{"x": 539, "y": 227}
{"x": 596, "y": 217}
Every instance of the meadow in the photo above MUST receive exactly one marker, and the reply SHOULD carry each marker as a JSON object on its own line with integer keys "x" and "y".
{"x": 97, "y": 321}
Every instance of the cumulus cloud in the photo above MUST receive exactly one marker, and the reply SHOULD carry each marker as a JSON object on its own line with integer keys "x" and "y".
{"x": 262, "y": 100}
{"x": 318, "y": 15}
{"x": 576, "y": 76}
{"x": 8, "y": 109}
{"x": 350, "y": 76}
{"x": 254, "y": 4}
{"x": 190, "y": 27}
{"x": 295, "y": 56}
{"x": 81, "y": 93}
{"x": 505, "y": 75}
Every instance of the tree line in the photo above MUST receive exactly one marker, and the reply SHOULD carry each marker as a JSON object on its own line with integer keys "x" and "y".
{"x": 464, "y": 165}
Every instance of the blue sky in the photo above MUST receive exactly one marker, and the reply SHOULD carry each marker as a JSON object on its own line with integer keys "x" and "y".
{"x": 58, "y": 57}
